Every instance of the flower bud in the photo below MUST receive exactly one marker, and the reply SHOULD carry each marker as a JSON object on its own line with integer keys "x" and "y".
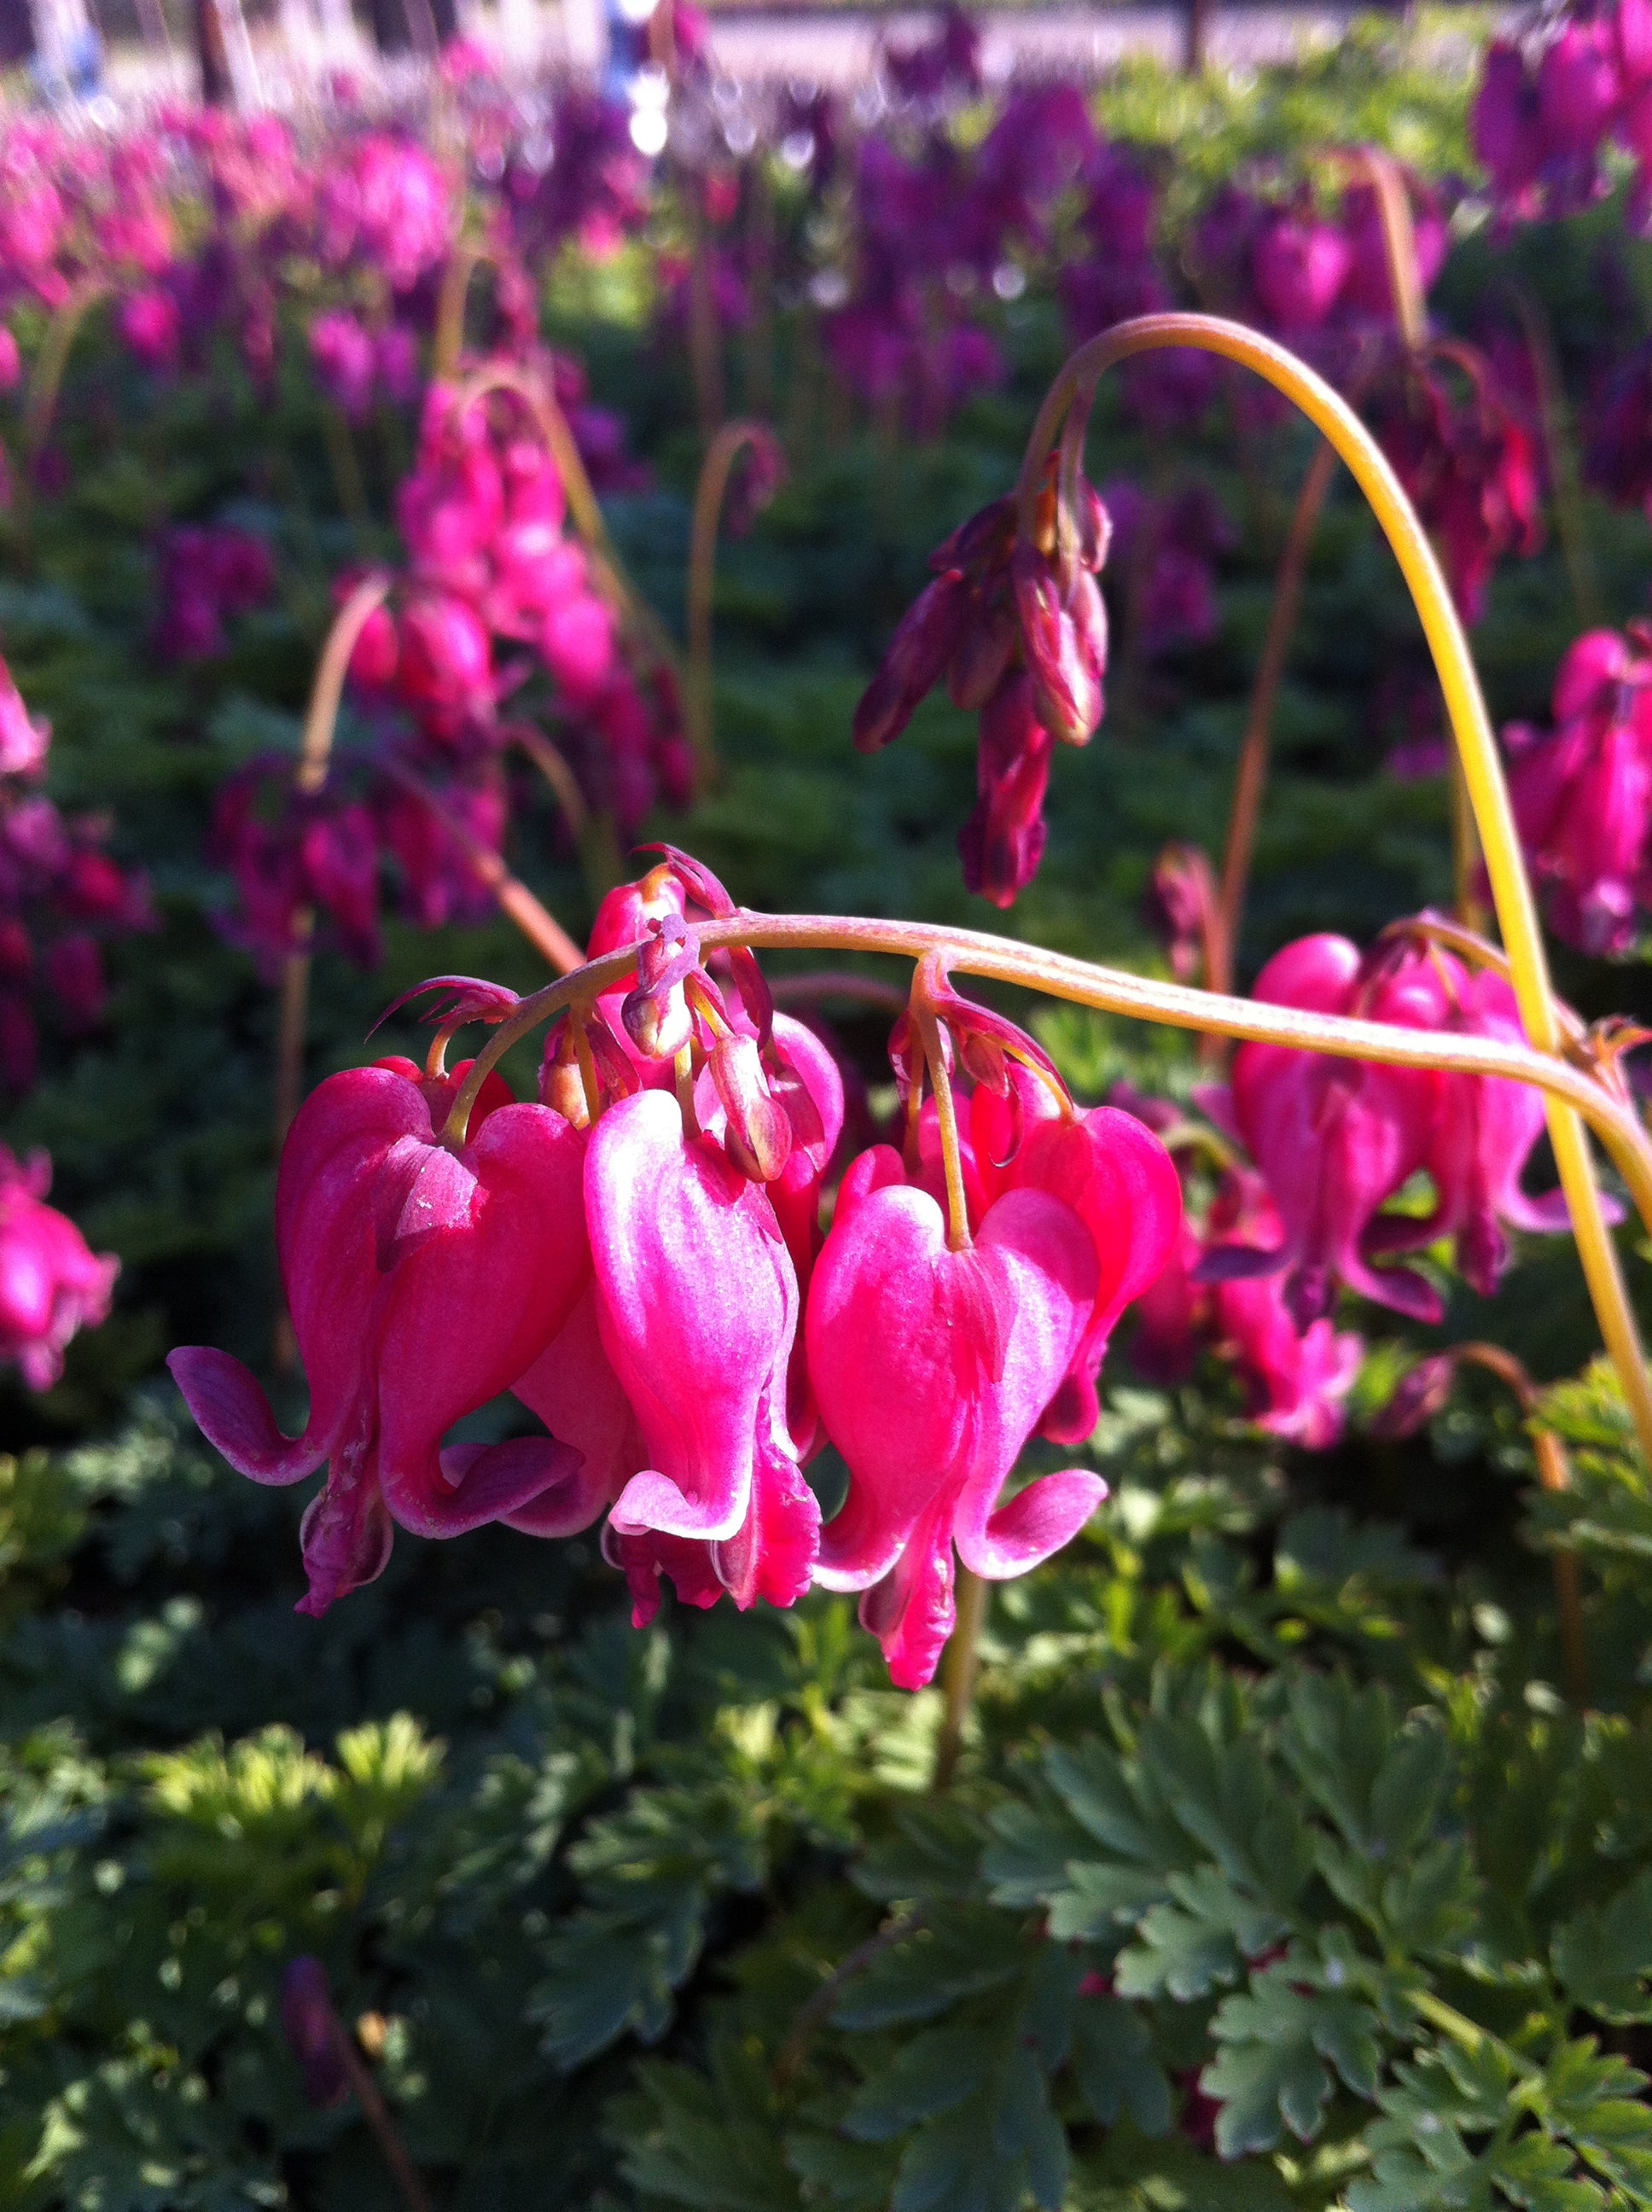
{"x": 1064, "y": 640}
{"x": 656, "y": 1013}
{"x": 759, "y": 1136}
{"x": 1421, "y": 1393}
{"x": 929, "y": 635}
{"x": 984, "y": 653}
{"x": 1180, "y": 901}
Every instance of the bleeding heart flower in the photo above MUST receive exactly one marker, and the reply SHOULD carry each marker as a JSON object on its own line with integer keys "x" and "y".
{"x": 51, "y": 1282}
{"x": 1334, "y": 1139}
{"x": 932, "y": 1368}
{"x": 421, "y": 1282}
{"x": 1114, "y": 1174}
{"x": 697, "y": 1308}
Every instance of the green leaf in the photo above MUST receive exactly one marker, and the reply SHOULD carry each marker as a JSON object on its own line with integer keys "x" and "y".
{"x": 1602, "y": 1956}
{"x": 1280, "y": 2044}
{"x": 930, "y": 2075}
{"x": 1113, "y": 2059}
{"x": 1186, "y": 1948}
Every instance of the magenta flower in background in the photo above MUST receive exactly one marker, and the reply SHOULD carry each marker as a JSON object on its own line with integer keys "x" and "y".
{"x": 51, "y": 1284}
{"x": 1468, "y": 465}
{"x": 1582, "y": 795}
{"x": 152, "y": 327}
{"x": 342, "y": 355}
{"x": 204, "y": 574}
{"x": 1335, "y": 1140}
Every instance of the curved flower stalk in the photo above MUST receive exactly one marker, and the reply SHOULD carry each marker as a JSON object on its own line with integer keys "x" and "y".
{"x": 765, "y": 466}
{"x": 1476, "y": 748}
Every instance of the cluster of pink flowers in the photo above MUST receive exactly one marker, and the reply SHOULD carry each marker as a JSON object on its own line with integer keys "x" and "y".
{"x": 497, "y": 594}
{"x": 1318, "y": 280}
{"x": 1017, "y": 627}
{"x": 1582, "y": 794}
{"x": 52, "y": 1283}
{"x": 1296, "y": 1380}
{"x": 1328, "y": 1146}
{"x": 942, "y": 234}
{"x": 358, "y": 367}
{"x": 61, "y": 895}
{"x": 205, "y": 575}
{"x": 324, "y": 853}
{"x": 1468, "y": 462}
{"x": 497, "y": 587}
{"x": 1335, "y": 1140}
{"x": 643, "y": 1266}
{"x": 1550, "y": 105}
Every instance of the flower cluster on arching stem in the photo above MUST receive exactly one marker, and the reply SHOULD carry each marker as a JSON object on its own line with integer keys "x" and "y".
{"x": 639, "y": 1255}
{"x": 498, "y": 594}
{"x": 1014, "y": 624}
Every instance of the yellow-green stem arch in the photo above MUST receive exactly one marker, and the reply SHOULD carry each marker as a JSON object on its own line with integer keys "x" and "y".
{"x": 1511, "y": 892}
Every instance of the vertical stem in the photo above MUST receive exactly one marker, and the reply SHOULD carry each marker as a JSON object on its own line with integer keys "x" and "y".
{"x": 759, "y": 338}
{"x": 958, "y": 1673}
{"x": 462, "y": 265}
{"x": 1564, "y": 473}
{"x": 1554, "y": 1473}
{"x": 376, "y": 2113}
{"x": 1251, "y": 776}
{"x": 315, "y": 749}
{"x": 708, "y": 496}
{"x": 705, "y": 344}
{"x": 1195, "y": 35}
{"x": 346, "y": 468}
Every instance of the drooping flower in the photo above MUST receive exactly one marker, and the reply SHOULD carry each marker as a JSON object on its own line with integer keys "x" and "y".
{"x": 932, "y": 1367}
{"x": 51, "y": 1284}
{"x": 1582, "y": 795}
{"x": 1336, "y": 1140}
{"x": 421, "y": 1281}
{"x": 1019, "y": 631}
{"x": 312, "y": 2031}
{"x": 696, "y": 1303}
{"x": 1115, "y": 1175}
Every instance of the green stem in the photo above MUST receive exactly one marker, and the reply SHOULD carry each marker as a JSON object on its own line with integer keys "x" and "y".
{"x": 960, "y": 1667}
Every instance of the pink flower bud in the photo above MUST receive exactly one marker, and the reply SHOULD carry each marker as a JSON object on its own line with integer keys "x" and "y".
{"x": 1064, "y": 641}
{"x": 313, "y": 2031}
{"x": 1003, "y": 841}
{"x": 758, "y": 1137}
{"x": 927, "y": 636}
